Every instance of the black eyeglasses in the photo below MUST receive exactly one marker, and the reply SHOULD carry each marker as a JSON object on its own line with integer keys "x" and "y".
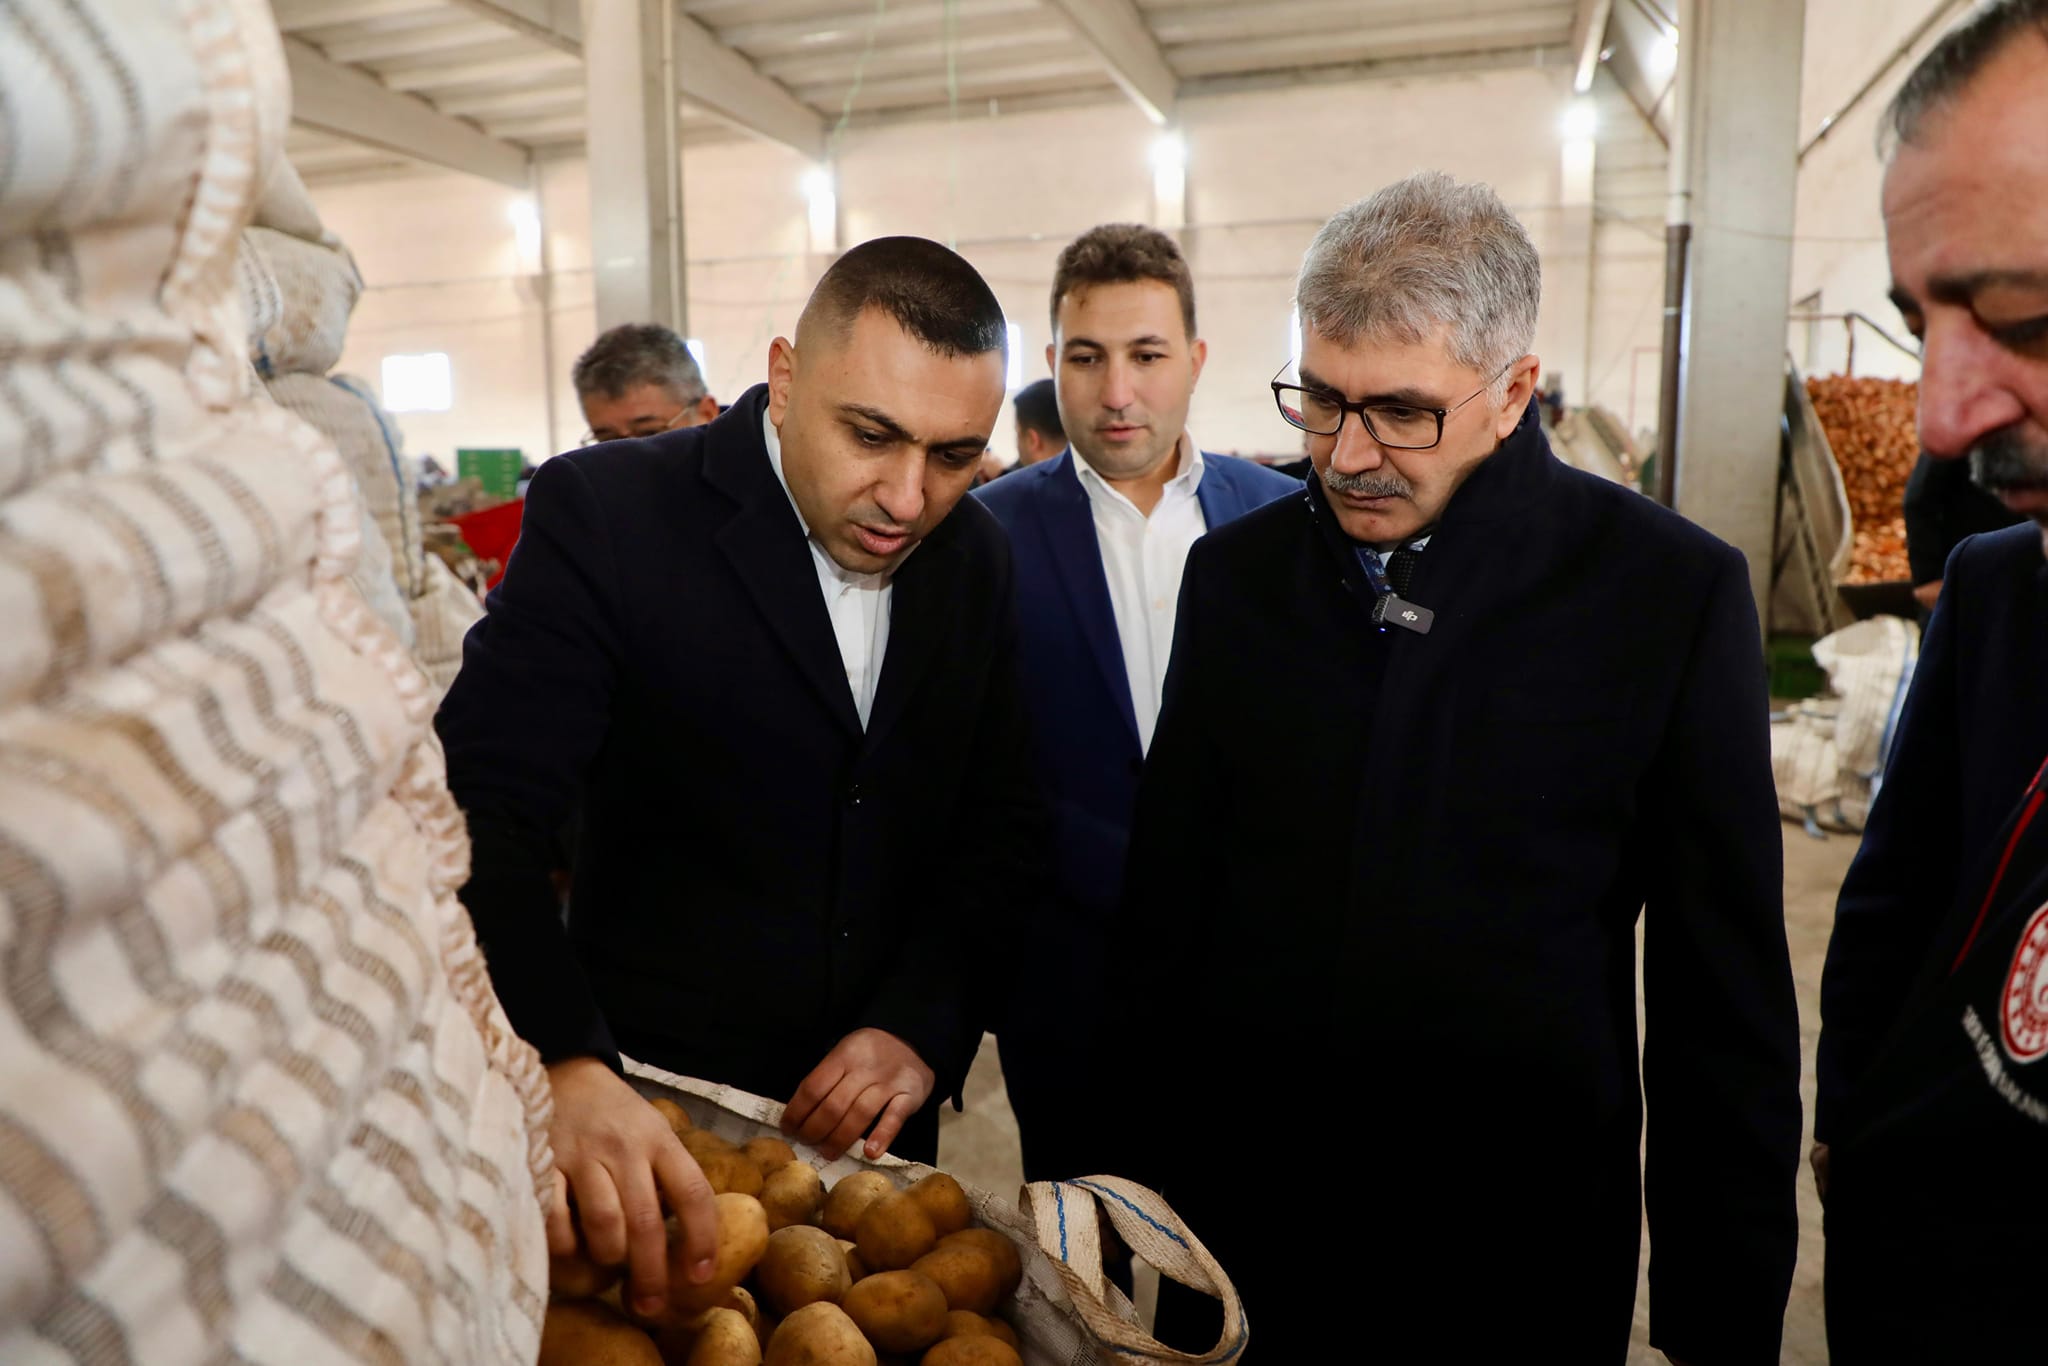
{"x": 1397, "y": 426}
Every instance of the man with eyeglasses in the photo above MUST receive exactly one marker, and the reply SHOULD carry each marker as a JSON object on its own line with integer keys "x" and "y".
{"x": 1530, "y": 705}
{"x": 639, "y": 379}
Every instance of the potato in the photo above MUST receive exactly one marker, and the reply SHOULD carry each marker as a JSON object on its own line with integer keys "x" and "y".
{"x": 792, "y": 1194}
{"x": 675, "y": 1331}
{"x": 576, "y": 1277}
{"x": 742, "y": 1303}
{"x": 1008, "y": 1262}
{"x": 742, "y": 1239}
{"x": 802, "y": 1266}
{"x": 702, "y": 1141}
{"x": 972, "y": 1351}
{"x": 960, "y": 1323}
{"x": 819, "y": 1335}
{"x": 855, "y": 1267}
{"x": 678, "y": 1118}
{"x": 966, "y": 1274}
{"x": 850, "y": 1199}
{"x": 583, "y": 1333}
{"x": 894, "y": 1232}
{"x": 730, "y": 1172}
{"x": 900, "y": 1311}
{"x": 944, "y": 1201}
{"x": 768, "y": 1153}
{"x": 726, "y": 1339}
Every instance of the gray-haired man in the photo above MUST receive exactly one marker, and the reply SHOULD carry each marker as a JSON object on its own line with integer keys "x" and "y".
{"x": 639, "y": 379}
{"x": 1530, "y": 706}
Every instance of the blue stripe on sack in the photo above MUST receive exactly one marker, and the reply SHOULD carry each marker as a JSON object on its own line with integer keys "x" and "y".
{"x": 1112, "y": 1195}
{"x": 1059, "y": 1200}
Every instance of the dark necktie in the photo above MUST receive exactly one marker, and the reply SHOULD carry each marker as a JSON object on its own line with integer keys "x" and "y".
{"x": 1401, "y": 569}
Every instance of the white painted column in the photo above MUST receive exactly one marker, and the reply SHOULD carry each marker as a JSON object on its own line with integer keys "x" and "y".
{"x": 1568, "y": 273}
{"x": 1737, "y": 183}
{"x": 636, "y": 164}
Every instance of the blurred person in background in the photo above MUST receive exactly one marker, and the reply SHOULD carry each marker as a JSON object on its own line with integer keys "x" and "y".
{"x": 1932, "y": 1122}
{"x": 1411, "y": 910}
{"x": 1944, "y": 506}
{"x": 1040, "y": 436}
{"x": 639, "y": 379}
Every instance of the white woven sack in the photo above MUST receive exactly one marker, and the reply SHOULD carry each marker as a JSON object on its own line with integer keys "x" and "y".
{"x": 345, "y": 414}
{"x": 258, "y": 1102}
{"x": 303, "y": 292}
{"x": 441, "y": 618}
{"x": 1066, "y": 1313}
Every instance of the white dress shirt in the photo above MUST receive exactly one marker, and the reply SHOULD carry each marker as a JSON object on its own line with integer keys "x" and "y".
{"x": 1143, "y": 559}
{"x": 858, "y": 604}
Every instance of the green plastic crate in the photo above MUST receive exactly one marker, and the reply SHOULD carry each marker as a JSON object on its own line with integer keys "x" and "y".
{"x": 497, "y": 471}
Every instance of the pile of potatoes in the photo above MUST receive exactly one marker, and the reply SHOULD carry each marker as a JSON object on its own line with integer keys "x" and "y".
{"x": 863, "y": 1275}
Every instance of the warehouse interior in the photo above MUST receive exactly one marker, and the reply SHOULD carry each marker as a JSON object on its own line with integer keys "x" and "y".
{"x": 494, "y": 183}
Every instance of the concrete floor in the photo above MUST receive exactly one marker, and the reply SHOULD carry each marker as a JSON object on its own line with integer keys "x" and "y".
{"x": 980, "y": 1146}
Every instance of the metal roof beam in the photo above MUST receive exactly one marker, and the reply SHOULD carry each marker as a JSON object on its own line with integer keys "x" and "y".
{"x": 558, "y": 23}
{"x": 353, "y": 105}
{"x": 1119, "y": 35}
{"x": 1589, "y": 37}
{"x": 713, "y": 76}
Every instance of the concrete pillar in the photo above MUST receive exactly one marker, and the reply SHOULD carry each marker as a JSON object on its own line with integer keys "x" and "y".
{"x": 1735, "y": 165}
{"x": 1568, "y": 273}
{"x": 636, "y": 163}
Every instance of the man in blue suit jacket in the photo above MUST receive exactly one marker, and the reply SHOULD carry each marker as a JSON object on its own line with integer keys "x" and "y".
{"x": 1100, "y": 535}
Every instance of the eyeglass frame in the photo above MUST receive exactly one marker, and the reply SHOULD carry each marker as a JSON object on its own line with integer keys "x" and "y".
{"x": 591, "y": 438}
{"x": 1346, "y": 407}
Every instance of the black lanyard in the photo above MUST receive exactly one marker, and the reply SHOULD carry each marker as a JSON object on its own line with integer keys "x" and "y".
{"x": 2037, "y": 794}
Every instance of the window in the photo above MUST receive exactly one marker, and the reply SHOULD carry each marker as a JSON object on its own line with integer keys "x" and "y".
{"x": 1015, "y": 379}
{"x": 418, "y": 384}
{"x": 696, "y": 349}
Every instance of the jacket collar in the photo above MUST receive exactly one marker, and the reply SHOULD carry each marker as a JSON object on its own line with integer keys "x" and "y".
{"x": 1077, "y": 559}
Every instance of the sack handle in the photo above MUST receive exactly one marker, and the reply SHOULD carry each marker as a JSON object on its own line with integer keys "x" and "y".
{"x": 1067, "y": 1216}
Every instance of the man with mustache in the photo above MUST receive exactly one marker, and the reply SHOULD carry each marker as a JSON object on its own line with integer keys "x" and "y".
{"x": 1933, "y": 1074}
{"x": 1528, "y": 707}
{"x": 1101, "y": 532}
{"x": 775, "y": 656}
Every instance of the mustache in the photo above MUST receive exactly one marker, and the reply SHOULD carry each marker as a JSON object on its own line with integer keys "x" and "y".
{"x": 1368, "y": 483}
{"x": 2006, "y": 460}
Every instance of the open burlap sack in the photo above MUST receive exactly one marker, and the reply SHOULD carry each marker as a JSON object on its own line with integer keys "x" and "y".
{"x": 258, "y": 1102}
{"x": 1067, "y": 1312}
{"x": 299, "y": 294}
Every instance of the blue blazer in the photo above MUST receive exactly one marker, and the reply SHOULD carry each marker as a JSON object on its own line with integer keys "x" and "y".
{"x": 1075, "y": 688}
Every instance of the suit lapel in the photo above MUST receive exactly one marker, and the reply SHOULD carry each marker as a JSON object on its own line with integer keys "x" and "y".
{"x": 766, "y": 545}
{"x": 923, "y": 606}
{"x": 1219, "y": 497}
{"x": 1077, "y": 558}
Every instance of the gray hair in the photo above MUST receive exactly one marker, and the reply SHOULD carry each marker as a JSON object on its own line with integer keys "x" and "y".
{"x": 1420, "y": 254}
{"x": 633, "y": 354}
{"x": 1949, "y": 67}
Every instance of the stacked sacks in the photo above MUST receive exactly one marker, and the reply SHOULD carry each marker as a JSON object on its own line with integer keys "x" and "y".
{"x": 257, "y": 1100}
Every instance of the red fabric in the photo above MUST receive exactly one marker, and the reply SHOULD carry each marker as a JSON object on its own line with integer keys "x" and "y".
{"x": 493, "y": 532}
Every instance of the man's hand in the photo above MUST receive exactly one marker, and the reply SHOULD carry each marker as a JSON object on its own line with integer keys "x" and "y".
{"x": 871, "y": 1073}
{"x": 618, "y": 1160}
{"x": 1819, "y": 1159}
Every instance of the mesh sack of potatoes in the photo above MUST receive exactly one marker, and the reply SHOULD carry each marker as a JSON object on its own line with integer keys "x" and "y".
{"x": 855, "y": 1263}
{"x": 1872, "y": 428}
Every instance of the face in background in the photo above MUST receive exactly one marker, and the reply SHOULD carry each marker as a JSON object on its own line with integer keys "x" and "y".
{"x": 881, "y": 435}
{"x": 1966, "y": 219}
{"x": 1125, "y": 370}
{"x": 643, "y": 410}
{"x": 1382, "y": 496}
{"x": 1034, "y": 446}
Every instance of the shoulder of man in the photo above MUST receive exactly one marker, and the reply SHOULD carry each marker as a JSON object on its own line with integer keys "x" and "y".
{"x": 1008, "y": 496}
{"x": 2014, "y": 552}
{"x": 639, "y": 471}
{"x": 1258, "y": 483}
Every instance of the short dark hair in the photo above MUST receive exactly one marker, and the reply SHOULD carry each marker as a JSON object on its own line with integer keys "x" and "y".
{"x": 1122, "y": 254}
{"x": 1038, "y": 407}
{"x": 633, "y": 354}
{"x": 1954, "y": 62}
{"x": 931, "y": 292}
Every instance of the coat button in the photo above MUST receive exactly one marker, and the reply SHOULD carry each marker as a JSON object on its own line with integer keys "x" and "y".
{"x": 853, "y": 794}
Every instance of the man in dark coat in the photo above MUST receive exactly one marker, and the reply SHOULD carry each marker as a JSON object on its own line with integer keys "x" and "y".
{"x": 1932, "y": 1119}
{"x": 1528, "y": 705}
{"x": 799, "y": 746}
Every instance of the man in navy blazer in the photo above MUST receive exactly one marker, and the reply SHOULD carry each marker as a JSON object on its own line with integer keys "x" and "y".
{"x": 1100, "y": 535}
